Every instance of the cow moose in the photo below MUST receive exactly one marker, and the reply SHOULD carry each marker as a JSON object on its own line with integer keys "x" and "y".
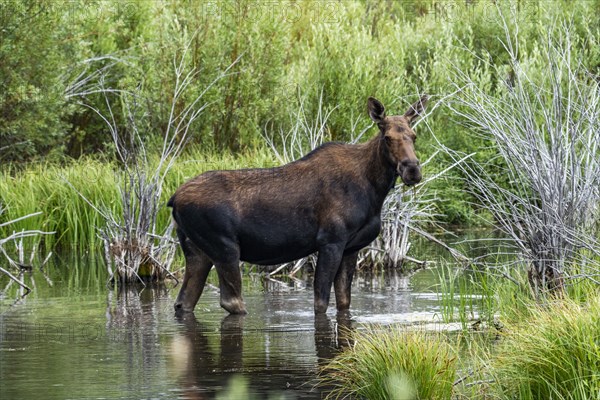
{"x": 329, "y": 202}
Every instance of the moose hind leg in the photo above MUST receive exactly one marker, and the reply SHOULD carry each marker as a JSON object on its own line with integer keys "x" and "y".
{"x": 343, "y": 281}
{"x": 197, "y": 267}
{"x": 230, "y": 284}
{"x": 328, "y": 263}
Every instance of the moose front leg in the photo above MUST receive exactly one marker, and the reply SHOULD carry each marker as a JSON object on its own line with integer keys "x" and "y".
{"x": 328, "y": 264}
{"x": 230, "y": 284}
{"x": 343, "y": 281}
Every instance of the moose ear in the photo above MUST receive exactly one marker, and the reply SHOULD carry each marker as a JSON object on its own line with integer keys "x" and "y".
{"x": 376, "y": 110}
{"x": 417, "y": 109}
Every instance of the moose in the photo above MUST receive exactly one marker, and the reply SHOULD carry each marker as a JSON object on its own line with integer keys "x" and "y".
{"x": 328, "y": 201}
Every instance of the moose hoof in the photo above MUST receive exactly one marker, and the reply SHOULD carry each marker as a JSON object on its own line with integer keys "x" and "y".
{"x": 234, "y": 306}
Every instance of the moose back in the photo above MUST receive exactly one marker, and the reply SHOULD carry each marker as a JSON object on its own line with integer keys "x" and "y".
{"x": 328, "y": 202}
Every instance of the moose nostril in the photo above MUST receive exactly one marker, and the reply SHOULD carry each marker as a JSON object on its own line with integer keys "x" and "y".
{"x": 410, "y": 163}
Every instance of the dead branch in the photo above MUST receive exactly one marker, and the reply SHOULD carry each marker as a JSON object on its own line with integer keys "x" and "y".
{"x": 15, "y": 279}
{"x": 546, "y": 130}
{"x": 134, "y": 248}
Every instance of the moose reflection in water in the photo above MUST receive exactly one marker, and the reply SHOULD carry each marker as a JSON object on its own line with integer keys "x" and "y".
{"x": 202, "y": 363}
{"x": 203, "y": 355}
{"x": 328, "y": 202}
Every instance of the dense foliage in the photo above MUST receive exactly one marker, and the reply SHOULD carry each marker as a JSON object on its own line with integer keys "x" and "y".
{"x": 289, "y": 51}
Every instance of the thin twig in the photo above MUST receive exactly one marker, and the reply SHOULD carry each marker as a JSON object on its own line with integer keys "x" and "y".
{"x": 14, "y": 278}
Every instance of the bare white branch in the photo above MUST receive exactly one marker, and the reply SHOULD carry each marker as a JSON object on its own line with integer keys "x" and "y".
{"x": 134, "y": 249}
{"x": 546, "y": 130}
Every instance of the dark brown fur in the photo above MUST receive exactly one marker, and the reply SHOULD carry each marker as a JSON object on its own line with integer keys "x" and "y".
{"x": 329, "y": 201}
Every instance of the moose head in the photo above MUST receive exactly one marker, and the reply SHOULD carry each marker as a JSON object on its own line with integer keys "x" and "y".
{"x": 399, "y": 138}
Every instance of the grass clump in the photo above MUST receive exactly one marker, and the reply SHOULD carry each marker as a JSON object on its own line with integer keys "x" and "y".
{"x": 554, "y": 354}
{"x": 393, "y": 363}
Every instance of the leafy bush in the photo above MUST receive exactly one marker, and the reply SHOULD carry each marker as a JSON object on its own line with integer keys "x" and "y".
{"x": 288, "y": 52}
{"x": 33, "y": 110}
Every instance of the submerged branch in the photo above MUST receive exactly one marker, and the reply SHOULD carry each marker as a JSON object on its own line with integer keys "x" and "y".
{"x": 15, "y": 279}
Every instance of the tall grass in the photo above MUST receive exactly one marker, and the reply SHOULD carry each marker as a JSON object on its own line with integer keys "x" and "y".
{"x": 459, "y": 297}
{"x": 552, "y": 354}
{"x": 535, "y": 351}
{"x": 393, "y": 363}
{"x": 43, "y": 188}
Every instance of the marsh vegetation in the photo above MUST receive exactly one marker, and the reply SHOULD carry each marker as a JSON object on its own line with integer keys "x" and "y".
{"x": 129, "y": 100}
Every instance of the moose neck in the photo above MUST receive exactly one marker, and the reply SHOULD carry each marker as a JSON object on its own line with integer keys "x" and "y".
{"x": 381, "y": 173}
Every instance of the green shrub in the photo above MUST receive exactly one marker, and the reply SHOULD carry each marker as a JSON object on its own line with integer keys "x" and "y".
{"x": 33, "y": 110}
{"x": 339, "y": 51}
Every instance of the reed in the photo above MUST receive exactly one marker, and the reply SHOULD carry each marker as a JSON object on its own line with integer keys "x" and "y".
{"x": 43, "y": 188}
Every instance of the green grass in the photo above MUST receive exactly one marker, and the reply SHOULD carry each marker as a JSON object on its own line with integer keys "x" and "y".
{"x": 393, "y": 363}
{"x": 473, "y": 292}
{"x": 543, "y": 350}
{"x": 532, "y": 348}
{"x": 44, "y": 187}
{"x": 60, "y": 193}
{"x": 457, "y": 294}
{"x": 553, "y": 354}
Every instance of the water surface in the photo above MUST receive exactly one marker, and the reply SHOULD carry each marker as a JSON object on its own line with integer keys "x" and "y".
{"x": 73, "y": 338}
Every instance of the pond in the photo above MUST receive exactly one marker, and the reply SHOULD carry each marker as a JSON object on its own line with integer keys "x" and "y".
{"x": 73, "y": 338}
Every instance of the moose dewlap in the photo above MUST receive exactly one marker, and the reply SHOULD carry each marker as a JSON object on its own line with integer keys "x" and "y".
{"x": 328, "y": 202}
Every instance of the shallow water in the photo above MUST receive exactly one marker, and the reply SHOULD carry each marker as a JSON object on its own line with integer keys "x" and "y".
{"x": 73, "y": 338}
